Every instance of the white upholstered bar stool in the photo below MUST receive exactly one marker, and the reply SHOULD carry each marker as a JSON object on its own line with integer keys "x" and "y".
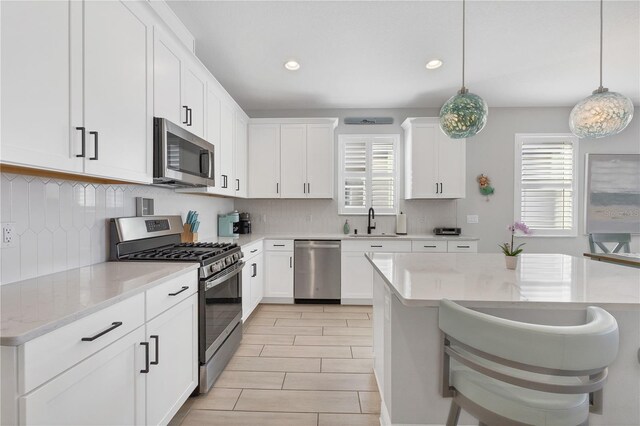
{"x": 505, "y": 372}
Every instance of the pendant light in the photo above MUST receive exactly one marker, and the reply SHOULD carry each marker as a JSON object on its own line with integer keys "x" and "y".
{"x": 603, "y": 113}
{"x": 465, "y": 114}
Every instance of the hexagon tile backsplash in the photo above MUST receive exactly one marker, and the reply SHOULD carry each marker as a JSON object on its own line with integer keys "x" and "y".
{"x": 61, "y": 224}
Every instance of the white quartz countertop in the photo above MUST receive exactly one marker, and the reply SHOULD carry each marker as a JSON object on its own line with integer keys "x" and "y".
{"x": 246, "y": 239}
{"x": 36, "y": 306}
{"x": 482, "y": 280}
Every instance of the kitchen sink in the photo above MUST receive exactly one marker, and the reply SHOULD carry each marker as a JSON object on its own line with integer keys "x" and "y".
{"x": 373, "y": 235}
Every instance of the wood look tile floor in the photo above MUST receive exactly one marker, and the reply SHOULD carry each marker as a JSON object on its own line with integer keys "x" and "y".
{"x": 297, "y": 365}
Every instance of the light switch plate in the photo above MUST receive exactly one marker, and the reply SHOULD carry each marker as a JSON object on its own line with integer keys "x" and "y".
{"x": 472, "y": 218}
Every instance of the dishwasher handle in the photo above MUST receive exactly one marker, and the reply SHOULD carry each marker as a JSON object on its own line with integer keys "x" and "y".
{"x": 317, "y": 245}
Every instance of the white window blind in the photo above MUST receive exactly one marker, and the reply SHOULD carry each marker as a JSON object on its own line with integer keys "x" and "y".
{"x": 545, "y": 187}
{"x": 368, "y": 173}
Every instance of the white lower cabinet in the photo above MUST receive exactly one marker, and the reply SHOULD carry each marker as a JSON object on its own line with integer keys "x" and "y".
{"x": 252, "y": 285}
{"x": 357, "y": 271}
{"x": 173, "y": 359}
{"x": 107, "y": 388}
{"x": 257, "y": 281}
{"x": 142, "y": 377}
{"x": 278, "y": 284}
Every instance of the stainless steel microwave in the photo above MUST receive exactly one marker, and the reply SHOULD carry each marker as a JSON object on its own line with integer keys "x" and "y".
{"x": 180, "y": 158}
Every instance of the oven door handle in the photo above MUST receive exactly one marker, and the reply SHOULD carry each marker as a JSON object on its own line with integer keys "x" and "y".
{"x": 210, "y": 284}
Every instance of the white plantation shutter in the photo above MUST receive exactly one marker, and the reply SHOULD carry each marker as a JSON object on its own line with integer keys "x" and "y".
{"x": 368, "y": 174}
{"x": 545, "y": 187}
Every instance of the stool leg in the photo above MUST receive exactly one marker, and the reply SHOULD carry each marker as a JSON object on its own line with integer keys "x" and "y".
{"x": 454, "y": 414}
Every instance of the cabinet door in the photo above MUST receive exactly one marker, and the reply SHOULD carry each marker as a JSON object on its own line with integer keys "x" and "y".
{"x": 320, "y": 161}
{"x": 356, "y": 276}
{"x": 212, "y": 134}
{"x": 279, "y": 274}
{"x": 257, "y": 282}
{"x": 173, "y": 348}
{"x": 264, "y": 161}
{"x": 167, "y": 79}
{"x": 227, "y": 124}
{"x": 247, "y": 276}
{"x": 36, "y": 81}
{"x": 106, "y": 389}
{"x": 452, "y": 166}
{"x": 240, "y": 157}
{"x": 193, "y": 99}
{"x": 421, "y": 162}
{"x": 293, "y": 159}
{"x": 117, "y": 104}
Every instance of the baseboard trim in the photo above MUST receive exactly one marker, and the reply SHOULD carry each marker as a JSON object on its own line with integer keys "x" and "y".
{"x": 349, "y": 301}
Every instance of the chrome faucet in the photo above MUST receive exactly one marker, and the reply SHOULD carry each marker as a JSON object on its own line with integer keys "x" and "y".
{"x": 371, "y": 215}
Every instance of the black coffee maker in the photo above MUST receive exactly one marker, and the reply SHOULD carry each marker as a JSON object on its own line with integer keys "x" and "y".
{"x": 244, "y": 224}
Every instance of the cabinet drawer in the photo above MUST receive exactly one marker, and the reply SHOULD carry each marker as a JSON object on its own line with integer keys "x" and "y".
{"x": 251, "y": 250}
{"x": 165, "y": 295}
{"x": 278, "y": 245}
{"x": 462, "y": 246}
{"x": 379, "y": 245}
{"x": 47, "y": 356}
{"x": 429, "y": 246}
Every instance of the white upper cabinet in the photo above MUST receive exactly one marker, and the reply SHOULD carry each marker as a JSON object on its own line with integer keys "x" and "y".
{"x": 435, "y": 165}
{"x": 240, "y": 155}
{"x": 293, "y": 159}
{"x": 264, "y": 161}
{"x": 305, "y": 167}
{"x": 193, "y": 99}
{"x": 212, "y": 132}
{"x": 320, "y": 160}
{"x": 167, "y": 80}
{"x": 179, "y": 85}
{"x": 36, "y": 36}
{"x": 117, "y": 103}
{"x": 83, "y": 78}
{"x": 227, "y": 124}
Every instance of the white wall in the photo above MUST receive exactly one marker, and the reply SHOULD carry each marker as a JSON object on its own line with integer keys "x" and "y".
{"x": 491, "y": 152}
{"x": 61, "y": 225}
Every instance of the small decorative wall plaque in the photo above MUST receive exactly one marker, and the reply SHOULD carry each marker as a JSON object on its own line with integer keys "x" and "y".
{"x": 485, "y": 185}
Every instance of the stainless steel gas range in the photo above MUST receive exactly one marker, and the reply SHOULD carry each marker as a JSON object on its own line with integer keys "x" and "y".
{"x": 157, "y": 238}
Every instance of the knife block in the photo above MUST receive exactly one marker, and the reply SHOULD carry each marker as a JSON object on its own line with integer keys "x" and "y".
{"x": 187, "y": 236}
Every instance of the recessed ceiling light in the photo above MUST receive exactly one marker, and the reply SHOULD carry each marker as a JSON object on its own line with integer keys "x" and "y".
{"x": 433, "y": 64}
{"x": 292, "y": 65}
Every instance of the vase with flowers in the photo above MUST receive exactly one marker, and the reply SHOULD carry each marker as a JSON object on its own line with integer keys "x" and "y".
{"x": 511, "y": 251}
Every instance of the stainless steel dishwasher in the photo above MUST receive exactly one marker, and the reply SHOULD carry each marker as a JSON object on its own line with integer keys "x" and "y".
{"x": 316, "y": 271}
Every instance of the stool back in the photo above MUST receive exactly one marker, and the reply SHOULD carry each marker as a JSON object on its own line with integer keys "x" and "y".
{"x": 487, "y": 344}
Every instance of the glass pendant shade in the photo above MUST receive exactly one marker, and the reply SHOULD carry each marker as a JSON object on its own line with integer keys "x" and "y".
{"x": 601, "y": 114}
{"x": 463, "y": 115}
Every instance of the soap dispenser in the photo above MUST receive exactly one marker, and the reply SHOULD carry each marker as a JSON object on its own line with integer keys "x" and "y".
{"x": 346, "y": 228}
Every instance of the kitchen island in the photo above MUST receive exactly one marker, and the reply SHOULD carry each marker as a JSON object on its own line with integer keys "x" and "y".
{"x": 550, "y": 289}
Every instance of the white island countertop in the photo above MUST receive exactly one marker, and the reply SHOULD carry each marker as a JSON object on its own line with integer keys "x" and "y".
{"x": 481, "y": 280}
{"x": 36, "y": 306}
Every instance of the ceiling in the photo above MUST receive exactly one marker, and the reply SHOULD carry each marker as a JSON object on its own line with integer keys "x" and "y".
{"x": 372, "y": 54}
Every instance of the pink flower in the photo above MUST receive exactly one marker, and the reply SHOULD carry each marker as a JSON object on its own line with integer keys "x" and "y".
{"x": 522, "y": 227}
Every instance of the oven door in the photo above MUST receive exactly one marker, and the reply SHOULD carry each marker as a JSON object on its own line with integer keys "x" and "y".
{"x": 220, "y": 309}
{"x": 181, "y": 158}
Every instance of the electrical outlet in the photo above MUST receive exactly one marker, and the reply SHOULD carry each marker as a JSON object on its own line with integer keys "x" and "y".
{"x": 309, "y": 218}
{"x": 8, "y": 235}
{"x": 472, "y": 218}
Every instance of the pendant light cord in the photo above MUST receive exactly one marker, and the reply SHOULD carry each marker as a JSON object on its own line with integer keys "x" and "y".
{"x": 601, "y": 30}
{"x": 463, "y": 36}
